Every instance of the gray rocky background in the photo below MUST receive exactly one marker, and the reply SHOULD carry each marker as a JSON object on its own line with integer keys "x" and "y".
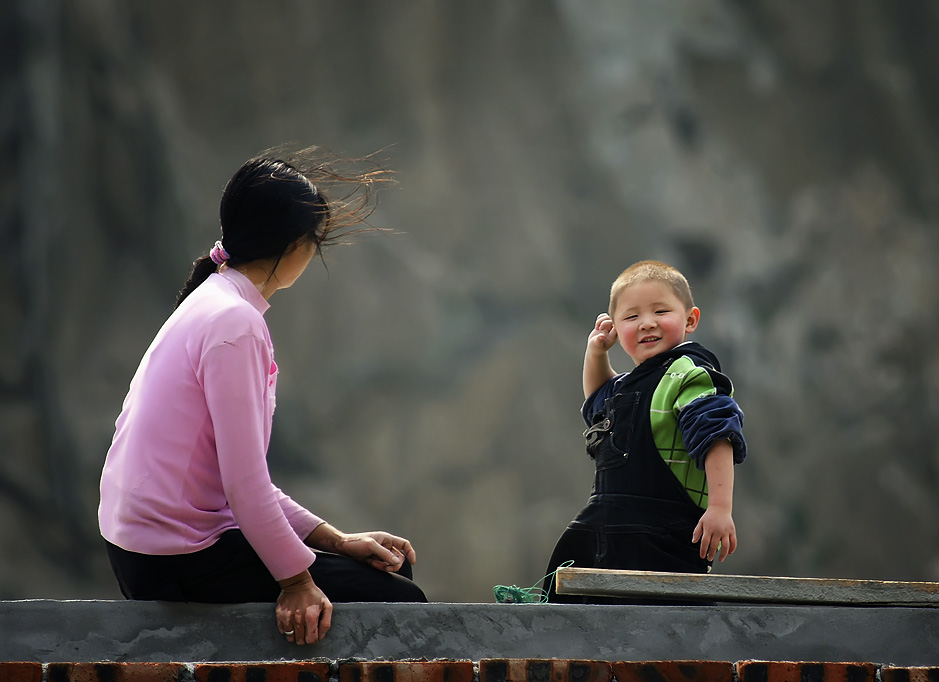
{"x": 783, "y": 153}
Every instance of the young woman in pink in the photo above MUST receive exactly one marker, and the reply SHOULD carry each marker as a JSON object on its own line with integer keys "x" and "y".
{"x": 188, "y": 509}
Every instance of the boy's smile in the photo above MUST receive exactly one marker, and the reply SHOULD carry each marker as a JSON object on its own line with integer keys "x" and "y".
{"x": 650, "y": 318}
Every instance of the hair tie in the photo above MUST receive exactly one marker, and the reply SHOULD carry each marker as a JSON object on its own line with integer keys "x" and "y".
{"x": 218, "y": 254}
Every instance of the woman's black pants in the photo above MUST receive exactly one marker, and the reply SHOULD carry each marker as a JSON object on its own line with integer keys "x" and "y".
{"x": 231, "y": 572}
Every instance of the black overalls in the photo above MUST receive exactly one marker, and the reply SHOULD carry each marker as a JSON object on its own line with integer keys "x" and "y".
{"x": 639, "y": 516}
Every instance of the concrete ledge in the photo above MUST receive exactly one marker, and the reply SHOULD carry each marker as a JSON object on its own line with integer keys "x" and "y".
{"x": 87, "y": 631}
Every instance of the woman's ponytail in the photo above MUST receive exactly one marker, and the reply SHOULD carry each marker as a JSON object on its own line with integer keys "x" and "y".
{"x": 271, "y": 205}
{"x": 201, "y": 269}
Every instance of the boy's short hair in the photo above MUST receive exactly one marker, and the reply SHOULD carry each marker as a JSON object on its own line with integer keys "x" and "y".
{"x": 654, "y": 271}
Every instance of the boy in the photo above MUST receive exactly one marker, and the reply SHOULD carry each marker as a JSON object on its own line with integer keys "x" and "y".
{"x": 664, "y": 438}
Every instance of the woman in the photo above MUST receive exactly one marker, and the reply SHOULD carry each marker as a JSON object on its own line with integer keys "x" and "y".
{"x": 188, "y": 510}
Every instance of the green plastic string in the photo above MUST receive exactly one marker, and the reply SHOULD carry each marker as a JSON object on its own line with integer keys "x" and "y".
{"x": 513, "y": 594}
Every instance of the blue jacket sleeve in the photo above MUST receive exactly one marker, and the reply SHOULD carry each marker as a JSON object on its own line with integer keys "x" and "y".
{"x": 708, "y": 419}
{"x": 597, "y": 400}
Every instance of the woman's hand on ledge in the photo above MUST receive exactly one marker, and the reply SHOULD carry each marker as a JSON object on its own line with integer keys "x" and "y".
{"x": 303, "y": 612}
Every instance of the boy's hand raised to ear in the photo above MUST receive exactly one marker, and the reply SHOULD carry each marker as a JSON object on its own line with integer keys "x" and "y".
{"x": 597, "y": 367}
{"x": 603, "y": 336}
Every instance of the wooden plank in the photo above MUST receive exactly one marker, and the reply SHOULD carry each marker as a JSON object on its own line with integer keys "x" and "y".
{"x": 743, "y": 588}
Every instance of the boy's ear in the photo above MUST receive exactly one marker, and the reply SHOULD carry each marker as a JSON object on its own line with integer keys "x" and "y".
{"x": 694, "y": 316}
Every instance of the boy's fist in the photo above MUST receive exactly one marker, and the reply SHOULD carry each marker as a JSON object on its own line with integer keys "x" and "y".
{"x": 603, "y": 335}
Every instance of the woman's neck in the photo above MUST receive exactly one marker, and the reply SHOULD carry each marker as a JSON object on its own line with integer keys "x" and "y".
{"x": 259, "y": 274}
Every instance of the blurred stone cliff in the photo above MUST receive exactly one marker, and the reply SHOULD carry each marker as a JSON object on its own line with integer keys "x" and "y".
{"x": 784, "y": 154}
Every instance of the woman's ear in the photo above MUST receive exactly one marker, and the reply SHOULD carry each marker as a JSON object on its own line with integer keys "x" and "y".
{"x": 303, "y": 244}
{"x": 694, "y": 316}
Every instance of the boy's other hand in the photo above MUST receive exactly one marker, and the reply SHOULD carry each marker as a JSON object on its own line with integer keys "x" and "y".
{"x": 716, "y": 530}
{"x": 603, "y": 336}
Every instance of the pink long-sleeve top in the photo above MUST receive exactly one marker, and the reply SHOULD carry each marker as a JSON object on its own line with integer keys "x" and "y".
{"x": 189, "y": 455}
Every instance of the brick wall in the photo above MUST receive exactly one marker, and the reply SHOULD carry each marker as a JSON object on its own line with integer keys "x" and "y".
{"x": 485, "y": 670}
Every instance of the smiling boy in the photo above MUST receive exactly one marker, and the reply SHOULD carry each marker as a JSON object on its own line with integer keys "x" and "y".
{"x": 664, "y": 437}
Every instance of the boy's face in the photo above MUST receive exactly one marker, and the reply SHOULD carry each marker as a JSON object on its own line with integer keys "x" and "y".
{"x": 650, "y": 318}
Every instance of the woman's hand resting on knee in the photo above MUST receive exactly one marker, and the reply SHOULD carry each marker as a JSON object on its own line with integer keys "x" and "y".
{"x": 303, "y": 612}
{"x": 378, "y": 549}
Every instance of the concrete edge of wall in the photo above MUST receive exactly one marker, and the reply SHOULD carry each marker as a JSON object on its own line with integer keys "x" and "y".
{"x": 50, "y": 631}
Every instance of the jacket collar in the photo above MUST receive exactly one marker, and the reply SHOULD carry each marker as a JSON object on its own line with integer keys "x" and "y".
{"x": 246, "y": 288}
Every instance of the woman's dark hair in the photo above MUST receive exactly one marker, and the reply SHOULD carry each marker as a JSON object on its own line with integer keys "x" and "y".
{"x": 275, "y": 202}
